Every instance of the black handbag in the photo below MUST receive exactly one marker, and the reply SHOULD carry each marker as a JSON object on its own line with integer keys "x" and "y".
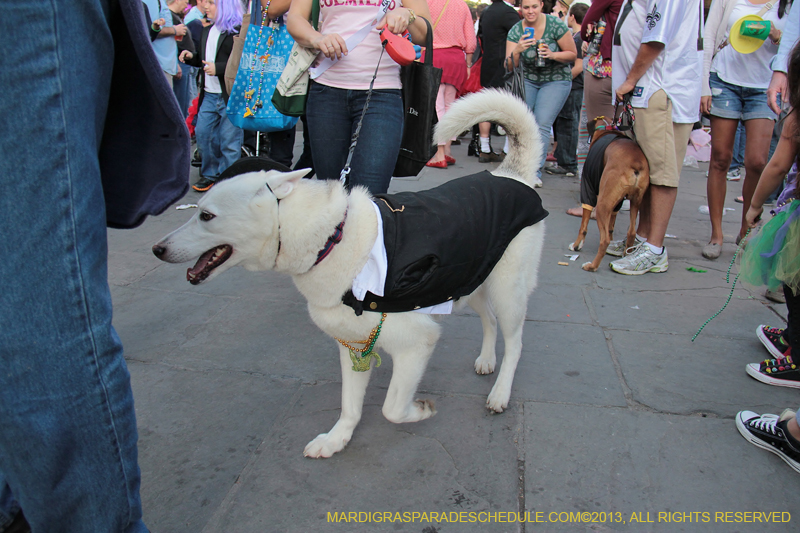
{"x": 515, "y": 79}
{"x": 420, "y": 87}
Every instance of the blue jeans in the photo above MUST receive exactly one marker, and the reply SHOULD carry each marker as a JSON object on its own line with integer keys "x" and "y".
{"x": 182, "y": 88}
{"x": 333, "y": 116}
{"x": 566, "y": 131}
{"x": 545, "y": 100}
{"x": 68, "y": 453}
{"x": 219, "y": 140}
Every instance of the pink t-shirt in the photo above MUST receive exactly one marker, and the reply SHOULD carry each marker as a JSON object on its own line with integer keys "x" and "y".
{"x": 455, "y": 28}
{"x": 355, "y": 70}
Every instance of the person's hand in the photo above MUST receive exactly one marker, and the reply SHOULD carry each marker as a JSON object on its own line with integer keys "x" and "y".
{"x": 181, "y": 29}
{"x": 778, "y": 84}
{"x": 396, "y": 20}
{"x": 705, "y": 105}
{"x": 331, "y": 45}
{"x": 584, "y": 47}
{"x": 158, "y": 24}
{"x": 753, "y": 216}
{"x": 185, "y": 55}
{"x": 775, "y": 35}
{"x": 626, "y": 87}
{"x": 546, "y": 52}
{"x": 179, "y": 75}
{"x": 209, "y": 68}
{"x": 523, "y": 44}
{"x": 469, "y": 69}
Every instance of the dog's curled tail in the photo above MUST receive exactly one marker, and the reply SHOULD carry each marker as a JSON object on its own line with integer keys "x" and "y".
{"x": 495, "y": 105}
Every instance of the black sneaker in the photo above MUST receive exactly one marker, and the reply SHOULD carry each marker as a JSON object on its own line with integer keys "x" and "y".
{"x": 490, "y": 157}
{"x": 561, "y": 171}
{"x": 772, "y": 339}
{"x": 770, "y": 433}
{"x": 778, "y": 372}
{"x": 197, "y": 158}
{"x": 203, "y": 184}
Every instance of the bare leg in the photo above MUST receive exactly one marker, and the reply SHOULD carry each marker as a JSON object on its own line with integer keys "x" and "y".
{"x": 723, "y": 132}
{"x": 354, "y": 386}
{"x": 756, "y": 149}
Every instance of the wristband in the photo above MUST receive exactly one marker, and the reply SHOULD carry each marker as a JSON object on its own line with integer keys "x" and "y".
{"x": 411, "y": 17}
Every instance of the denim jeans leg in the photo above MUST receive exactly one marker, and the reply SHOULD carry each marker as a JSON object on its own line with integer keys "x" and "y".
{"x": 207, "y": 135}
{"x": 546, "y": 100}
{"x": 181, "y": 88}
{"x": 231, "y": 138}
{"x": 333, "y": 116}
{"x": 68, "y": 448}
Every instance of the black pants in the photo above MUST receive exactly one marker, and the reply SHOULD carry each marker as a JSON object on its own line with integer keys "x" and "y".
{"x": 792, "y": 332}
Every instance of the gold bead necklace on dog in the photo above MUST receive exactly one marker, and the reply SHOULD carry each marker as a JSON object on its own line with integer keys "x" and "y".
{"x": 361, "y": 363}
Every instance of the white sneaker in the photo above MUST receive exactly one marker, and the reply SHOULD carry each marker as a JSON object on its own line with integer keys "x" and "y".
{"x": 641, "y": 261}
{"x": 734, "y": 175}
{"x": 617, "y": 248}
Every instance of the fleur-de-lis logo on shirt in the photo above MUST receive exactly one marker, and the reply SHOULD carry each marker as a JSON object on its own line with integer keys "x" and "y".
{"x": 653, "y": 18}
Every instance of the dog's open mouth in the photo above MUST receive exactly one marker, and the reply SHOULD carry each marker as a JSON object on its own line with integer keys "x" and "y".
{"x": 208, "y": 262}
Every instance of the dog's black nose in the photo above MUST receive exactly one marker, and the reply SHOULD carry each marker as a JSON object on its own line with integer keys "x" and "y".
{"x": 158, "y": 251}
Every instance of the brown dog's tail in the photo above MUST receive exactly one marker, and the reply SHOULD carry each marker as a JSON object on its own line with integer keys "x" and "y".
{"x": 494, "y": 105}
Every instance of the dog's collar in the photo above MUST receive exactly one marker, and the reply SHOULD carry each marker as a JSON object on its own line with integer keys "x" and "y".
{"x": 333, "y": 240}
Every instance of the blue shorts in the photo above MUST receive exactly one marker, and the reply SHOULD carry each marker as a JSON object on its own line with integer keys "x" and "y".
{"x": 735, "y": 102}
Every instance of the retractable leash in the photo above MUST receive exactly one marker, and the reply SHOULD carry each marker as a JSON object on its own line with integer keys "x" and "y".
{"x": 346, "y": 170}
{"x": 727, "y": 280}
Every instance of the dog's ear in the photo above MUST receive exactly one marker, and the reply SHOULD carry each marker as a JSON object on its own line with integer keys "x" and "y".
{"x": 283, "y": 183}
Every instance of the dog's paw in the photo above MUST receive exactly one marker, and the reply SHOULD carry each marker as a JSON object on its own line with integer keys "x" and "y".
{"x": 425, "y": 408}
{"x": 573, "y": 248}
{"x": 324, "y": 446}
{"x": 588, "y": 267}
{"x": 498, "y": 399}
{"x": 485, "y": 365}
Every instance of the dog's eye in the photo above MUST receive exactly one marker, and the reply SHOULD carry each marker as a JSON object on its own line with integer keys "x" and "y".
{"x": 205, "y": 216}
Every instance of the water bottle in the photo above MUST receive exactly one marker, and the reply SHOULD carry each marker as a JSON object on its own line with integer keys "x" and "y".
{"x": 597, "y": 37}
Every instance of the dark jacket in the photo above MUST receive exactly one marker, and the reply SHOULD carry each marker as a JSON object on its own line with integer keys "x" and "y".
{"x": 224, "y": 47}
{"x": 493, "y": 29}
{"x": 144, "y": 155}
{"x": 441, "y": 244}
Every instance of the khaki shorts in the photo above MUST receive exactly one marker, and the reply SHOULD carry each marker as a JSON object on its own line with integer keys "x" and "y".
{"x": 662, "y": 141}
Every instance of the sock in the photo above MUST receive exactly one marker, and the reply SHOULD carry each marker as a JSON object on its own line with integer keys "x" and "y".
{"x": 485, "y": 145}
{"x": 640, "y": 238}
{"x": 505, "y": 146}
{"x": 658, "y": 250}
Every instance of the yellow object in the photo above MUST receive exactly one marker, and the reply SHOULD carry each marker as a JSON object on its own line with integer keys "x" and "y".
{"x": 563, "y": 264}
{"x": 742, "y": 43}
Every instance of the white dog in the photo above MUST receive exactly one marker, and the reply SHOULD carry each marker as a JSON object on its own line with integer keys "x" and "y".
{"x": 277, "y": 221}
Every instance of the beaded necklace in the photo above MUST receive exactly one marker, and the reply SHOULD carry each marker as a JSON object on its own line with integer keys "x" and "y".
{"x": 361, "y": 362}
{"x": 252, "y": 105}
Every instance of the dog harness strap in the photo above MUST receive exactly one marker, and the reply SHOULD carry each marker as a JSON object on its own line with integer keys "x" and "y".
{"x": 333, "y": 240}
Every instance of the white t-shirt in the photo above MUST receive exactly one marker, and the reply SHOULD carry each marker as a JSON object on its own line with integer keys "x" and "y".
{"x": 679, "y": 68}
{"x": 748, "y": 70}
{"x": 211, "y": 83}
{"x": 355, "y": 70}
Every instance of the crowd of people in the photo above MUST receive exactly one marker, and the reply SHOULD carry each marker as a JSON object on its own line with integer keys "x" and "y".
{"x": 65, "y": 391}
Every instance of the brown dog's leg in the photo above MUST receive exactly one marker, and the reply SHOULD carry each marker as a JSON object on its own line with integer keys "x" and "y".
{"x": 578, "y": 244}
{"x": 605, "y": 224}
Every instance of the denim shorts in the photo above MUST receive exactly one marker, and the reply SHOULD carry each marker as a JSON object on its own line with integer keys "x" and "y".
{"x": 735, "y": 102}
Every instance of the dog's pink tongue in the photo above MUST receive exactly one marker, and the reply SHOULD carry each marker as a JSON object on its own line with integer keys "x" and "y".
{"x": 191, "y": 274}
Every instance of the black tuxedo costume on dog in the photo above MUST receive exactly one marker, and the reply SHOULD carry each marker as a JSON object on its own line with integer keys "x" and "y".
{"x": 443, "y": 243}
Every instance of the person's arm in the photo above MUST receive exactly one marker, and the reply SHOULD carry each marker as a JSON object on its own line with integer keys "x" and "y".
{"x": 299, "y": 26}
{"x": 400, "y": 19}
{"x": 778, "y": 166}
{"x": 567, "y": 54}
{"x": 778, "y": 83}
{"x": 276, "y": 7}
{"x": 715, "y": 16}
{"x": 644, "y": 59}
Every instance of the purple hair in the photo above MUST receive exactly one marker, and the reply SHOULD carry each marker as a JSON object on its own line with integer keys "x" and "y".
{"x": 229, "y": 15}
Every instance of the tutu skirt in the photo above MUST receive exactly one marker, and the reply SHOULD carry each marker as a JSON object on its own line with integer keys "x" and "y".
{"x": 772, "y": 257}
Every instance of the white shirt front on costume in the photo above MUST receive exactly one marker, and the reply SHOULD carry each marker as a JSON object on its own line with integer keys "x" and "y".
{"x": 211, "y": 83}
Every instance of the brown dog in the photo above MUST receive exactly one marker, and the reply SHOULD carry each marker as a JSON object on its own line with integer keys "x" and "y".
{"x": 621, "y": 172}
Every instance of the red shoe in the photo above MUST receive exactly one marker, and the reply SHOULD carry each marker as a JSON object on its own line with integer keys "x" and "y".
{"x": 437, "y": 164}
{"x": 550, "y": 157}
{"x": 450, "y": 160}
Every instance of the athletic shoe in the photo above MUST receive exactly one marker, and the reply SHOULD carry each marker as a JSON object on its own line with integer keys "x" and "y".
{"x": 560, "y": 171}
{"x": 734, "y": 175}
{"x": 490, "y": 157}
{"x": 778, "y": 372}
{"x": 642, "y": 261}
{"x": 772, "y": 339}
{"x": 617, "y": 248}
{"x": 770, "y": 432}
{"x": 203, "y": 184}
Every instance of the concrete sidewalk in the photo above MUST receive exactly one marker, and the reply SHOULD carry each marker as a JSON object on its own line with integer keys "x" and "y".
{"x": 614, "y": 413}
